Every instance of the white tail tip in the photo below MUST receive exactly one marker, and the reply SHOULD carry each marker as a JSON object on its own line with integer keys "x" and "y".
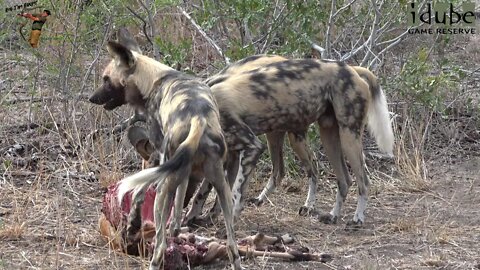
{"x": 379, "y": 124}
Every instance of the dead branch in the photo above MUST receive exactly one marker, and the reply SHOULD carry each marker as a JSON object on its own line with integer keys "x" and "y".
{"x": 32, "y": 100}
{"x": 43, "y": 99}
{"x": 326, "y": 53}
{"x": 222, "y": 20}
{"x": 144, "y": 29}
{"x": 97, "y": 56}
{"x": 373, "y": 33}
{"x": 270, "y": 27}
{"x": 340, "y": 10}
{"x": 370, "y": 42}
{"x": 137, "y": 117}
{"x": 317, "y": 48}
{"x": 209, "y": 40}
{"x": 290, "y": 255}
{"x": 150, "y": 17}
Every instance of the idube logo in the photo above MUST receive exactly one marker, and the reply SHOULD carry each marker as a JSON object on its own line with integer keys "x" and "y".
{"x": 444, "y": 17}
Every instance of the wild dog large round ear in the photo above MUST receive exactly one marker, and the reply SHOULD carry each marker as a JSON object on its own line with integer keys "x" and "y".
{"x": 122, "y": 53}
{"x": 125, "y": 38}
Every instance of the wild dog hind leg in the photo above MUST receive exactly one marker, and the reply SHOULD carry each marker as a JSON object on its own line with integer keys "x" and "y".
{"x": 162, "y": 210}
{"x": 176, "y": 221}
{"x": 330, "y": 137}
{"x": 275, "y": 147}
{"x": 353, "y": 149}
{"x": 215, "y": 175}
{"x": 193, "y": 217}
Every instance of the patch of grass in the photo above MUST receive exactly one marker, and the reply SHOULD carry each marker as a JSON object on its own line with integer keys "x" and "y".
{"x": 12, "y": 231}
{"x": 410, "y": 155}
{"x": 106, "y": 178}
{"x": 435, "y": 261}
{"x": 404, "y": 225}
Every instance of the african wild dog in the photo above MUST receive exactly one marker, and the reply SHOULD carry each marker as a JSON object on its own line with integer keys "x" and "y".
{"x": 289, "y": 95}
{"x": 299, "y": 145}
{"x": 182, "y": 109}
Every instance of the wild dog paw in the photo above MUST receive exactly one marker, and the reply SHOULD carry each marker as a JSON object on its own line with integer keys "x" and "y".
{"x": 326, "y": 218}
{"x": 305, "y": 211}
{"x": 197, "y": 222}
{"x": 254, "y": 201}
{"x": 221, "y": 233}
{"x": 354, "y": 225}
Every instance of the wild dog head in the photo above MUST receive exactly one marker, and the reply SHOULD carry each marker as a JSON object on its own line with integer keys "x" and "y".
{"x": 115, "y": 89}
{"x": 138, "y": 137}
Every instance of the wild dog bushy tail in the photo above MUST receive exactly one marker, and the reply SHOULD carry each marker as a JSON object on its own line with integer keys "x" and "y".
{"x": 378, "y": 119}
{"x": 180, "y": 160}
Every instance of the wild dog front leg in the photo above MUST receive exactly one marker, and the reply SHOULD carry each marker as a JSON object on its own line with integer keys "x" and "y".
{"x": 248, "y": 157}
{"x": 275, "y": 147}
{"x": 299, "y": 145}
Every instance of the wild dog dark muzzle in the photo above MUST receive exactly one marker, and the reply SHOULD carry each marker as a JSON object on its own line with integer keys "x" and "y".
{"x": 109, "y": 95}
{"x": 100, "y": 96}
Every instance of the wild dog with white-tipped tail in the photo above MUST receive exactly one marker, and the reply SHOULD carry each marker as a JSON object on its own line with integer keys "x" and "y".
{"x": 282, "y": 95}
{"x": 184, "y": 124}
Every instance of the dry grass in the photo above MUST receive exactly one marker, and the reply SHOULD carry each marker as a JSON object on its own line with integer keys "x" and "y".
{"x": 11, "y": 232}
{"x": 409, "y": 152}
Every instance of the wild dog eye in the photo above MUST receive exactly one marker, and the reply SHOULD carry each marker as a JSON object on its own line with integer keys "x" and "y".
{"x": 106, "y": 78}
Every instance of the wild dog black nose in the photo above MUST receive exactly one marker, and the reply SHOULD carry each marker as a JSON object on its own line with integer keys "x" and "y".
{"x": 92, "y": 99}
{"x": 99, "y": 97}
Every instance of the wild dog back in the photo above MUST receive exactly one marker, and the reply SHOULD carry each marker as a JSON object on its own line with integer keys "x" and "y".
{"x": 286, "y": 95}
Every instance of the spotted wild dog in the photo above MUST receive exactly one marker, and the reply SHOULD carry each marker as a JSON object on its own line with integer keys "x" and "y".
{"x": 184, "y": 124}
{"x": 299, "y": 146}
{"x": 289, "y": 95}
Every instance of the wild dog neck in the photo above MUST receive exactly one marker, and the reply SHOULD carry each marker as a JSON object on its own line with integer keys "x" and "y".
{"x": 142, "y": 84}
{"x": 146, "y": 74}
